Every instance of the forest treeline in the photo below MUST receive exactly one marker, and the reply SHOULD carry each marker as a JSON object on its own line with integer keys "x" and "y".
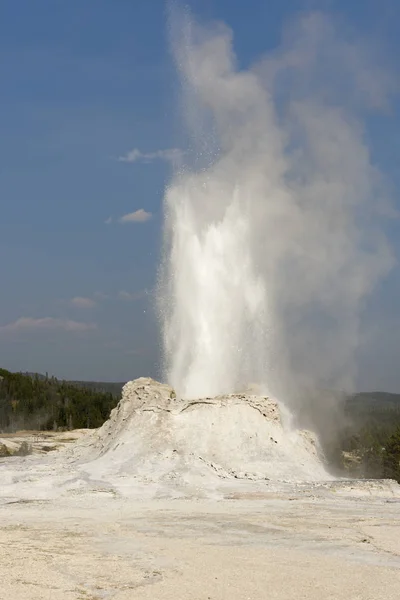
{"x": 363, "y": 440}
{"x": 31, "y": 401}
{"x": 370, "y": 441}
{"x": 360, "y": 433}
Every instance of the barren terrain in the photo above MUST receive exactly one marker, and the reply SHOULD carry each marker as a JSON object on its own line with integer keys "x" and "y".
{"x": 283, "y": 546}
{"x": 142, "y": 509}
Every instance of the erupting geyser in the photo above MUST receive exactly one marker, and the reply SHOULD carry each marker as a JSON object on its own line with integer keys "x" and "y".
{"x": 272, "y": 234}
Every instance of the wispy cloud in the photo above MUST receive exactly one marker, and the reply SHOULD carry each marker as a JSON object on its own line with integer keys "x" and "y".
{"x": 82, "y": 302}
{"x": 132, "y": 296}
{"x": 172, "y": 155}
{"x": 44, "y": 324}
{"x": 138, "y": 216}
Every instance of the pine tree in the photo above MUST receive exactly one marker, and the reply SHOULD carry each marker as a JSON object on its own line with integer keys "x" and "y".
{"x": 391, "y": 457}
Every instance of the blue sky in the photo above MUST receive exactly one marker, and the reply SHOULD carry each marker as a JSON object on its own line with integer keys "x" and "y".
{"x": 85, "y": 82}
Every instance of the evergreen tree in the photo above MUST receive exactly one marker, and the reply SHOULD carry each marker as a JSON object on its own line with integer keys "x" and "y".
{"x": 391, "y": 457}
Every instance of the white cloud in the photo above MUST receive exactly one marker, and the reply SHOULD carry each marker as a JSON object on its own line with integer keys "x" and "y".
{"x": 139, "y": 216}
{"x": 172, "y": 155}
{"x": 45, "y": 323}
{"x": 81, "y": 302}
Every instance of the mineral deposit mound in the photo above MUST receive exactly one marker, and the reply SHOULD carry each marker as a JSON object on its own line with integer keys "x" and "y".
{"x": 154, "y": 436}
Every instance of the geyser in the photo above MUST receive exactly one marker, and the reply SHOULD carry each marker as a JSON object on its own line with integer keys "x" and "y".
{"x": 272, "y": 224}
{"x": 197, "y": 446}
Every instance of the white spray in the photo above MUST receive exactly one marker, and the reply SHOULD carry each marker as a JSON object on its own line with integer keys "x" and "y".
{"x": 272, "y": 236}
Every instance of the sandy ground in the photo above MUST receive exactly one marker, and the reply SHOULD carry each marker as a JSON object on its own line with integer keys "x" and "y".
{"x": 261, "y": 545}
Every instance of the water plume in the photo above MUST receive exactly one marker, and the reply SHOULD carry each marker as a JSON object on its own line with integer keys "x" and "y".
{"x": 273, "y": 235}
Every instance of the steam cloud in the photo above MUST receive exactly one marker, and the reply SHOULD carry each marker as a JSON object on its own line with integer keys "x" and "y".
{"x": 273, "y": 235}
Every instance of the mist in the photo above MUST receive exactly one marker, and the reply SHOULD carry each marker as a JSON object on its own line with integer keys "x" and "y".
{"x": 274, "y": 221}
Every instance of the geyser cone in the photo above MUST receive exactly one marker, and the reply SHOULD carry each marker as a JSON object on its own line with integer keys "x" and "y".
{"x": 158, "y": 438}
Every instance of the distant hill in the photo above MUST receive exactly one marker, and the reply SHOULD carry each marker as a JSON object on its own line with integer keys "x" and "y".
{"x": 106, "y": 387}
{"x": 373, "y": 400}
{"x": 360, "y": 405}
{"x": 378, "y": 408}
